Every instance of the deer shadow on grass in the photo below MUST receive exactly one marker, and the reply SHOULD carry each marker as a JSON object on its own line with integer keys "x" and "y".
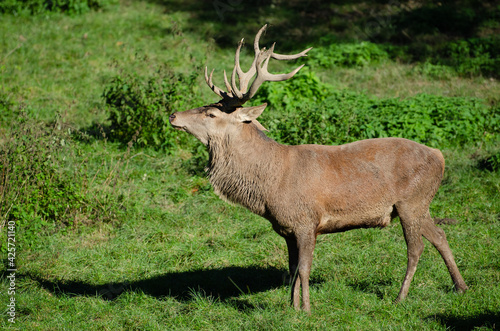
{"x": 226, "y": 284}
{"x": 489, "y": 319}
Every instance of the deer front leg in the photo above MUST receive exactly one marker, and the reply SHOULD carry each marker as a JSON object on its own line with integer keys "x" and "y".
{"x": 300, "y": 253}
{"x": 306, "y": 246}
{"x": 293, "y": 262}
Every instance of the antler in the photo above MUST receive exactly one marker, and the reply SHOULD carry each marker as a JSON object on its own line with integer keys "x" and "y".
{"x": 237, "y": 96}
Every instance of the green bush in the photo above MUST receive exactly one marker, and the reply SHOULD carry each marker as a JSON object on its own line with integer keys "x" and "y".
{"x": 46, "y": 182}
{"x": 346, "y": 55}
{"x": 344, "y": 117}
{"x": 468, "y": 57}
{"x": 143, "y": 105}
{"x": 35, "y": 191}
{"x": 34, "y": 7}
{"x": 474, "y": 56}
{"x": 304, "y": 87}
{"x": 305, "y": 110}
{"x": 433, "y": 120}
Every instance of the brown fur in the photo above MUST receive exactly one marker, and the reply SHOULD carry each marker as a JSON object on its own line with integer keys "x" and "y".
{"x": 308, "y": 190}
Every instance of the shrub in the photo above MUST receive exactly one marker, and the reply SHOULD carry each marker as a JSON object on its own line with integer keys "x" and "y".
{"x": 33, "y": 7}
{"x": 34, "y": 190}
{"x": 314, "y": 111}
{"x": 432, "y": 120}
{"x": 288, "y": 95}
{"x": 468, "y": 57}
{"x": 474, "y": 56}
{"x": 46, "y": 183}
{"x": 346, "y": 55}
{"x": 344, "y": 117}
{"x": 143, "y": 104}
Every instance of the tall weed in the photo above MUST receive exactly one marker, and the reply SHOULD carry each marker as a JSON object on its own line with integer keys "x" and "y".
{"x": 315, "y": 113}
{"x": 467, "y": 57}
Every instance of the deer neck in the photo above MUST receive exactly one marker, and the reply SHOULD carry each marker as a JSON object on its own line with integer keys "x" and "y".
{"x": 243, "y": 166}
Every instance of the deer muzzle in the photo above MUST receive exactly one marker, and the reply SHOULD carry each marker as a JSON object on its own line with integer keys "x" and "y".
{"x": 172, "y": 119}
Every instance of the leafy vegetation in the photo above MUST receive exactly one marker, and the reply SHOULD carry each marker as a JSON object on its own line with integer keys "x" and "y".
{"x": 348, "y": 55}
{"x": 34, "y": 7}
{"x": 331, "y": 117}
{"x": 140, "y": 106}
{"x": 117, "y": 227}
{"x": 475, "y": 56}
{"x": 34, "y": 191}
{"x": 38, "y": 191}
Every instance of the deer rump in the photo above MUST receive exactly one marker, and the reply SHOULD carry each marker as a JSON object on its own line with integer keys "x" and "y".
{"x": 307, "y": 190}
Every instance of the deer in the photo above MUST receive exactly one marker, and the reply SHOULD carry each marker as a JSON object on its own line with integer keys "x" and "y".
{"x": 308, "y": 190}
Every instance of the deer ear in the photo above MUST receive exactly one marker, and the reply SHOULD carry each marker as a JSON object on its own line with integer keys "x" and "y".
{"x": 248, "y": 114}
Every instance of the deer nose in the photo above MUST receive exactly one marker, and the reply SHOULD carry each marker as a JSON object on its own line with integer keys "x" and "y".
{"x": 171, "y": 118}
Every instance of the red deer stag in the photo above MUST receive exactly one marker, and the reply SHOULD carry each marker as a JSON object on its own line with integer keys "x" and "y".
{"x": 308, "y": 190}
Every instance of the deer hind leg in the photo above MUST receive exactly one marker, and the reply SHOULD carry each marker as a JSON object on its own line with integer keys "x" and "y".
{"x": 437, "y": 237}
{"x": 415, "y": 245}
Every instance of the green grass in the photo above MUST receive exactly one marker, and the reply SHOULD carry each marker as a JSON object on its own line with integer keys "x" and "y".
{"x": 154, "y": 249}
{"x": 186, "y": 259}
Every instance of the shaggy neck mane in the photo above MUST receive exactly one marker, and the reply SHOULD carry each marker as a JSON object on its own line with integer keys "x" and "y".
{"x": 238, "y": 170}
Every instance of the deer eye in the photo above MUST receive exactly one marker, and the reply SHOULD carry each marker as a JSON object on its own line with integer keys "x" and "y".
{"x": 211, "y": 115}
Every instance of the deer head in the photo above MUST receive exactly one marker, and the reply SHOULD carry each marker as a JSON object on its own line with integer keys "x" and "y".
{"x": 228, "y": 114}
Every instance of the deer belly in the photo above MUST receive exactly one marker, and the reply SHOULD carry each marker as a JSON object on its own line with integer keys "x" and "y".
{"x": 339, "y": 221}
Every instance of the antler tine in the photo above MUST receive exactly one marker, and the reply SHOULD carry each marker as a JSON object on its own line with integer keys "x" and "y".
{"x": 256, "y": 40}
{"x": 237, "y": 58}
{"x": 214, "y": 88}
{"x": 237, "y": 70}
{"x": 244, "y": 77}
{"x": 236, "y": 90}
{"x": 229, "y": 90}
{"x": 291, "y": 56}
{"x": 275, "y": 77}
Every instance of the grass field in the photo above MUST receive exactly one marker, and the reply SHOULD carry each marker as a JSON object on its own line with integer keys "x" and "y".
{"x": 127, "y": 237}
